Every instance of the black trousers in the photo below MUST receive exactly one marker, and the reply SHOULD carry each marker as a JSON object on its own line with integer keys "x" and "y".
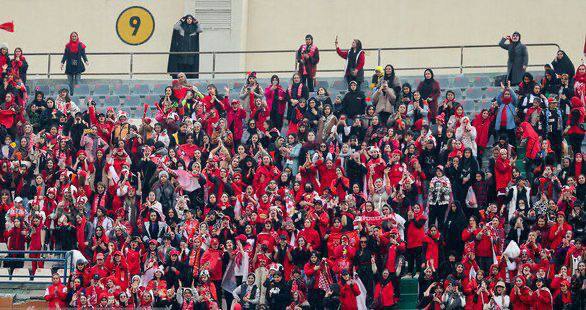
{"x": 437, "y": 212}
{"x": 308, "y": 81}
{"x": 414, "y": 259}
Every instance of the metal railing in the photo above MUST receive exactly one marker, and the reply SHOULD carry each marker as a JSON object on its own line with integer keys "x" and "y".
{"x": 64, "y": 260}
{"x": 132, "y": 59}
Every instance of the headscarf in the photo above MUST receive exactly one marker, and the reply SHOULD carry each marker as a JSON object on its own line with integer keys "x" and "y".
{"x": 427, "y": 85}
{"x": 73, "y": 46}
{"x": 563, "y": 65}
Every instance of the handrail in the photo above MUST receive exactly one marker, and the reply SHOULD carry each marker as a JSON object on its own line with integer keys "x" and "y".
{"x": 213, "y": 72}
{"x": 64, "y": 256}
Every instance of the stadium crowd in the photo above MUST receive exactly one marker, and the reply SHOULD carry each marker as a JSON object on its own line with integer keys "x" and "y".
{"x": 291, "y": 198}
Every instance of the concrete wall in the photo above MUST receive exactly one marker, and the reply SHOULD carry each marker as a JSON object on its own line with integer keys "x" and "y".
{"x": 282, "y": 24}
{"x": 43, "y": 26}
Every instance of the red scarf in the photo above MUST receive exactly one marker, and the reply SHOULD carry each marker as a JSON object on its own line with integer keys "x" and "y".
{"x": 73, "y": 46}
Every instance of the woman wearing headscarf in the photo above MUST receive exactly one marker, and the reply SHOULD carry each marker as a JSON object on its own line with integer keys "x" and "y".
{"x": 72, "y": 59}
{"x": 429, "y": 89}
{"x": 563, "y": 65}
{"x": 453, "y": 224}
{"x": 307, "y": 57}
{"x": 580, "y": 83}
{"x": 185, "y": 39}
{"x": 19, "y": 64}
{"x": 551, "y": 83}
{"x": 354, "y": 62}
{"x": 518, "y": 57}
{"x": 276, "y": 98}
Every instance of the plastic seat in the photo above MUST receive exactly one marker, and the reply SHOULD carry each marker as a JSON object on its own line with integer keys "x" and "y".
{"x": 491, "y": 93}
{"x": 444, "y": 82}
{"x": 339, "y": 85}
{"x": 151, "y": 99}
{"x": 141, "y": 89}
{"x": 461, "y": 81}
{"x": 21, "y": 275}
{"x": 4, "y": 276}
{"x": 3, "y": 247}
{"x": 79, "y": 100}
{"x": 468, "y": 105}
{"x": 43, "y": 275}
{"x": 59, "y": 87}
{"x": 132, "y": 101}
{"x": 121, "y": 90}
{"x": 474, "y": 93}
{"x": 102, "y": 90}
{"x": 322, "y": 83}
{"x": 82, "y": 90}
{"x": 483, "y": 81}
{"x": 159, "y": 89}
{"x": 112, "y": 101}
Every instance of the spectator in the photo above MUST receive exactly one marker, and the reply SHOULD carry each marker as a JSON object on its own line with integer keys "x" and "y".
{"x": 308, "y": 57}
{"x": 518, "y": 57}
{"x": 185, "y": 39}
{"x": 74, "y": 58}
{"x": 429, "y": 89}
{"x": 563, "y": 65}
{"x": 19, "y": 65}
{"x": 354, "y": 62}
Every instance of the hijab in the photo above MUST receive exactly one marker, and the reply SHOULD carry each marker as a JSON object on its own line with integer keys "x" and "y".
{"x": 427, "y": 85}
{"x": 563, "y": 65}
{"x": 74, "y": 46}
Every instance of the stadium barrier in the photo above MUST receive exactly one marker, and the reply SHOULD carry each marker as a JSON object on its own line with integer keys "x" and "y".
{"x": 60, "y": 261}
{"x": 131, "y": 64}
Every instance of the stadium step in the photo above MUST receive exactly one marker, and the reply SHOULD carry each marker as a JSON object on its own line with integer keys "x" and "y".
{"x": 409, "y": 294}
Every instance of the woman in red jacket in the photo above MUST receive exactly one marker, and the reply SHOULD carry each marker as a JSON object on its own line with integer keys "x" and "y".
{"x": 415, "y": 235}
{"x": 503, "y": 172}
{"x": 348, "y": 292}
{"x": 276, "y": 102}
{"x": 558, "y": 231}
{"x": 384, "y": 292}
{"x": 482, "y": 123}
{"x": 354, "y": 62}
{"x": 521, "y": 296}
{"x": 542, "y": 299}
{"x": 56, "y": 294}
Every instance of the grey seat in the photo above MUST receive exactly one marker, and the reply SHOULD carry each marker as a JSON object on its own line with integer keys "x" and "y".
{"x": 141, "y": 89}
{"x": 102, "y": 90}
{"x": 82, "y": 90}
{"x": 121, "y": 90}
{"x": 474, "y": 93}
{"x": 132, "y": 101}
{"x": 461, "y": 81}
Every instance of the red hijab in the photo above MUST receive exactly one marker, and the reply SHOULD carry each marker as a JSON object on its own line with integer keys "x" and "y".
{"x": 73, "y": 46}
{"x": 581, "y": 77}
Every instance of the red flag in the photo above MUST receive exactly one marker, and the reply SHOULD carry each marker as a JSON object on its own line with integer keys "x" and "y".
{"x": 8, "y": 26}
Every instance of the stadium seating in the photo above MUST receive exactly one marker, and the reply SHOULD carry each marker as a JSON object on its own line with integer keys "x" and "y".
{"x": 18, "y": 275}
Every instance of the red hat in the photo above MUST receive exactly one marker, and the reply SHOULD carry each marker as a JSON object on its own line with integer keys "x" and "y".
{"x": 81, "y": 152}
{"x": 153, "y": 241}
{"x": 118, "y": 253}
{"x": 397, "y": 152}
{"x": 561, "y": 213}
{"x": 241, "y": 238}
{"x": 173, "y": 252}
{"x": 441, "y": 117}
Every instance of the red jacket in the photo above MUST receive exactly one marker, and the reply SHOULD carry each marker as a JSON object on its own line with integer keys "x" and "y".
{"x": 348, "y": 293}
{"x": 556, "y": 237}
{"x": 416, "y": 232}
{"x": 394, "y": 251}
{"x": 278, "y": 94}
{"x": 235, "y": 120}
{"x": 385, "y": 293}
{"x": 359, "y": 62}
{"x": 503, "y": 173}
{"x": 542, "y": 299}
{"x": 482, "y": 129}
{"x": 523, "y": 300}
{"x": 56, "y": 295}
{"x": 326, "y": 175}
